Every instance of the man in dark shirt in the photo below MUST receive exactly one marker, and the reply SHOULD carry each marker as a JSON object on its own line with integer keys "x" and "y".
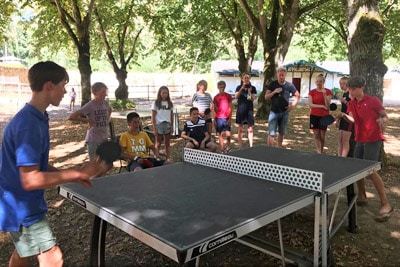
{"x": 279, "y": 92}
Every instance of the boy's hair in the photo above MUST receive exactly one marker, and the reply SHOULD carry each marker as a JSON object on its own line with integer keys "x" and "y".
{"x": 221, "y": 83}
{"x": 193, "y": 109}
{"x": 207, "y": 111}
{"x": 131, "y": 116}
{"x": 43, "y": 72}
{"x": 355, "y": 82}
{"x": 98, "y": 86}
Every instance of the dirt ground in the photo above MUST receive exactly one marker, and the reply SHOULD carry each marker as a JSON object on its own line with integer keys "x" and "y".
{"x": 374, "y": 244}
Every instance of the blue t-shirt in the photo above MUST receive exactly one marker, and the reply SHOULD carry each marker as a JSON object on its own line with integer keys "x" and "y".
{"x": 26, "y": 142}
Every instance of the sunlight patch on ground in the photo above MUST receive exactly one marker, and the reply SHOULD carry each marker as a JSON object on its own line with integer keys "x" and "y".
{"x": 369, "y": 194}
{"x": 393, "y": 116}
{"x": 395, "y": 190}
{"x": 67, "y": 148}
{"x": 392, "y": 145}
{"x": 72, "y": 162}
{"x": 395, "y": 234}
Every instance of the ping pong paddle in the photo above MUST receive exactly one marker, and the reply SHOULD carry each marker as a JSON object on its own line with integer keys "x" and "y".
{"x": 109, "y": 151}
{"x": 333, "y": 107}
{"x": 327, "y": 120}
{"x": 147, "y": 163}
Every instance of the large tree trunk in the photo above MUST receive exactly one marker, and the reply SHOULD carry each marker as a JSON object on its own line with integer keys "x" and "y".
{"x": 276, "y": 38}
{"x": 85, "y": 71}
{"x": 122, "y": 91}
{"x": 366, "y": 34}
{"x": 77, "y": 25}
{"x": 365, "y": 41}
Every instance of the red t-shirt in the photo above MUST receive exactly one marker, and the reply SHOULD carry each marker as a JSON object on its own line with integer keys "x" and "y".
{"x": 318, "y": 99}
{"x": 222, "y": 105}
{"x": 365, "y": 113}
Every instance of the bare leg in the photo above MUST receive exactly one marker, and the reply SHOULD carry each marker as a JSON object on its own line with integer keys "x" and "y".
{"x": 212, "y": 146}
{"x": 17, "y": 261}
{"x": 271, "y": 140}
{"x": 362, "y": 194}
{"x": 317, "y": 140}
{"x": 322, "y": 136}
{"x": 167, "y": 138}
{"x": 340, "y": 143}
{"x": 228, "y": 140}
{"x": 240, "y": 136}
{"x": 159, "y": 139}
{"x": 221, "y": 141}
{"x": 380, "y": 188}
{"x": 280, "y": 140}
{"x": 250, "y": 134}
{"x": 51, "y": 258}
{"x": 345, "y": 143}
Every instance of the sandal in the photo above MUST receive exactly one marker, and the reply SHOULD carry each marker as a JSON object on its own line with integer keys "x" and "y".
{"x": 383, "y": 217}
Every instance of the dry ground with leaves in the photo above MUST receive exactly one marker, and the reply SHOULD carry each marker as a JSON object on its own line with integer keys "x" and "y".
{"x": 375, "y": 244}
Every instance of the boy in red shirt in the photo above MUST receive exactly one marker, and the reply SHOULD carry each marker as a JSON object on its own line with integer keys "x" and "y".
{"x": 223, "y": 116}
{"x": 369, "y": 118}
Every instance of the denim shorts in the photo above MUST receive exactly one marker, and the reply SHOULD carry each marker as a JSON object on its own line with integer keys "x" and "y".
{"x": 164, "y": 127}
{"x": 92, "y": 147}
{"x": 222, "y": 125}
{"x": 277, "y": 121}
{"x": 34, "y": 239}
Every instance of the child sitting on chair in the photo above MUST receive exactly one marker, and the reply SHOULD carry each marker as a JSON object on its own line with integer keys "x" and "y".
{"x": 195, "y": 132}
{"x": 135, "y": 144}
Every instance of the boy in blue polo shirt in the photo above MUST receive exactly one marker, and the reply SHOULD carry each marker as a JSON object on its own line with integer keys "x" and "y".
{"x": 25, "y": 171}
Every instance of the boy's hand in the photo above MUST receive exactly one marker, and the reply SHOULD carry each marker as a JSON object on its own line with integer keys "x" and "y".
{"x": 93, "y": 169}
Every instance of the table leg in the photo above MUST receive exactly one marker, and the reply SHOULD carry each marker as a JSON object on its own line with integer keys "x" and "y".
{"x": 97, "y": 242}
{"x": 352, "y": 214}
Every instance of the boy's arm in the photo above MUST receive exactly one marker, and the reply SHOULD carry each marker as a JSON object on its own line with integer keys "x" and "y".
{"x": 383, "y": 118}
{"x": 230, "y": 114}
{"x": 32, "y": 178}
{"x": 79, "y": 116}
{"x": 155, "y": 151}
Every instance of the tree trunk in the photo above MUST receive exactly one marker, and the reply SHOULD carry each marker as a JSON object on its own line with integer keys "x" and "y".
{"x": 122, "y": 91}
{"x": 365, "y": 41}
{"x": 366, "y": 34}
{"x": 276, "y": 40}
{"x": 85, "y": 70}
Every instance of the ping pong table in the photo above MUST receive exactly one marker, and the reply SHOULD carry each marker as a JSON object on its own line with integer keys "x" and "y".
{"x": 186, "y": 209}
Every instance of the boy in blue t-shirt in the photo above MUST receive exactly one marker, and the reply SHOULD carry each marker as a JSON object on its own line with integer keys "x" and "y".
{"x": 25, "y": 171}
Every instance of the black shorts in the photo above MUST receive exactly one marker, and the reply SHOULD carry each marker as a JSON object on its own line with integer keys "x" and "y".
{"x": 345, "y": 125}
{"x": 315, "y": 123}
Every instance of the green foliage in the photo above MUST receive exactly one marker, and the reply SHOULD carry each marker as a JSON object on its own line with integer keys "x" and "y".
{"x": 7, "y": 10}
{"x": 336, "y": 92}
{"x": 323, "y": 32}
{"x": 122, "y": 104}
{"x": 189, "y": 34}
